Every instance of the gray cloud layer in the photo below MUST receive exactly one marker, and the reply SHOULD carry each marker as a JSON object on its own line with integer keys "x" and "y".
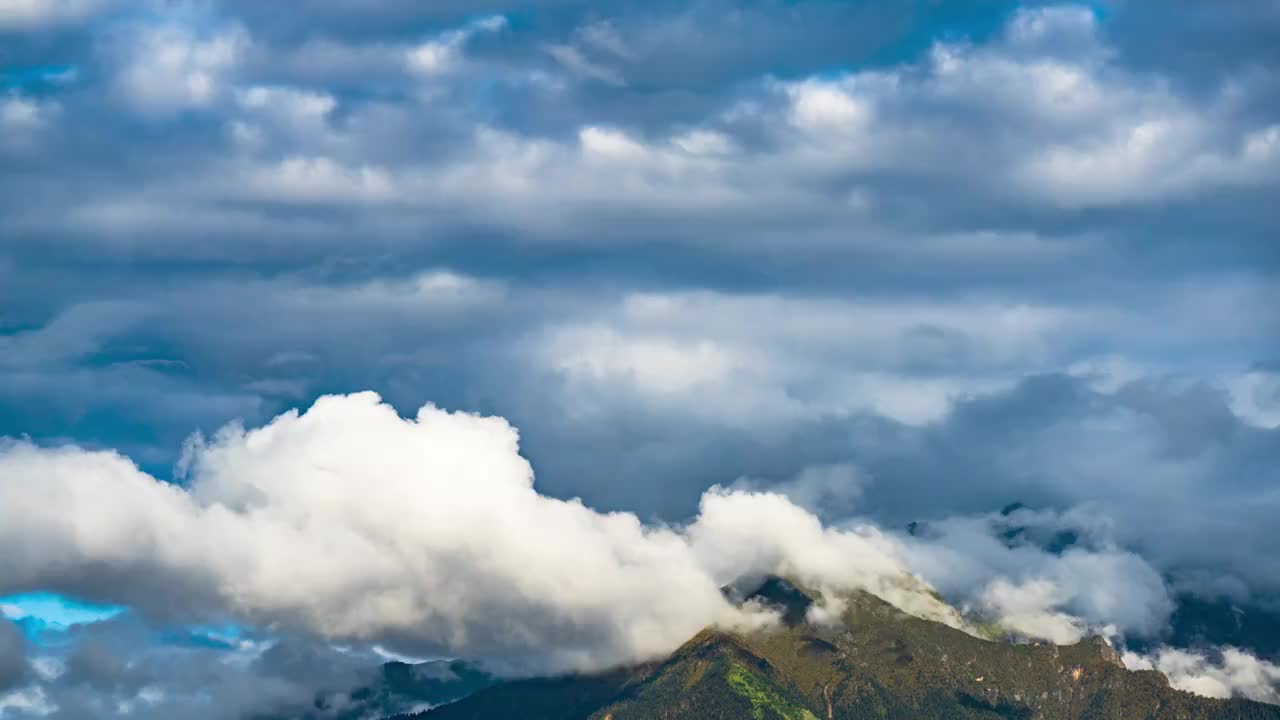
{"x": 331, "y": 210}
{"x": 13, "y": 655}
{"x": 124, "y": 667}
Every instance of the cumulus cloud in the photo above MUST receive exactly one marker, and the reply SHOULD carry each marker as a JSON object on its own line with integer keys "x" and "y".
{"x": 439, "y": 537}
{"x": 424, "y": 535}
{"x": 1226, "y": 673}
{"x": 996, "y": 566}
{"x": 743, "y": 534}
{"x": 168, "y": 69}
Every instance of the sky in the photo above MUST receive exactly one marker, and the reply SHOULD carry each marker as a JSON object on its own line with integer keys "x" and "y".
{"x": 278, "y": 285}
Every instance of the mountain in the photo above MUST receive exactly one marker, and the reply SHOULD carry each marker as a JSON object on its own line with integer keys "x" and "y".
{"x": 1198, "y": 622}
{"x": 397, "y": 687}
{"x": 874, "y": 662}
{"x": 400, "y": 686}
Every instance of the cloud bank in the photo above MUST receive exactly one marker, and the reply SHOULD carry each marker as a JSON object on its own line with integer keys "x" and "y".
{"x": 426, "y": 535}
{"x": 1226, "y": 673}
{"x": 350, "y": 523}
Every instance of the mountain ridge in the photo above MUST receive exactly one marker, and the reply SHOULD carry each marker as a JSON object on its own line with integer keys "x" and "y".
{"x": 873, "y": 661}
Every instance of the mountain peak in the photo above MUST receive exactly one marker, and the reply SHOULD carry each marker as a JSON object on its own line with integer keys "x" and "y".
{"x": 782, "y": 595}
{"x": 1104, "y": 649}
{"x": 874, "y": 661}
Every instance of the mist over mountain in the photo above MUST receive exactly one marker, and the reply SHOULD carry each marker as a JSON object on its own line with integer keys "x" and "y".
{"x": 864, "y": 659}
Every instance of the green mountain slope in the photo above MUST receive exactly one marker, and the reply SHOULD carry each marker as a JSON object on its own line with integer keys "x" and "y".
{"x": 877, "y": 662}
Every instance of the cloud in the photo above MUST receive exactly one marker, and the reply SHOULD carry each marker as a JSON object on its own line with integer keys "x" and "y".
{"x": 168, "y": 69}
{"x": 1026, "y": 610}
{"x": 424, "y": 535}
{"x": 26, "y": 700}
{"x": 1255, "y": 397}
{"x": 918, "y": 263}
{"x": 1229, "y": 672}
{"x": 655, "y": 366}
{"x": 1005, "y": 567}
{"x": 803, "y": 153}
{"x": 739, "y": 534}
{"x": 125, "y": 667}
{"x": 73, "y": 334}
{"x": 13, "y": 655}
{"x": 759, "y": 360}
{"x": 28, "y": 15}
{"x": 576, "y": 61}
{"x": 828, "y": 491}
{"x": 441, "y": 55}
{"x": 449, "y": 506}
{"x": 21, "y": 115}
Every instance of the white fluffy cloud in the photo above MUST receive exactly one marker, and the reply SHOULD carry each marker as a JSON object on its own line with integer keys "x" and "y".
{"x": 753, "y": 360}
{"x": 170, "y": 68}
{"x": 1232, "y": 672}
{"x": 425, "y": 535}
{"x": 739, "y": 534}
{"x": 1027, "y": 609}
{"x": 1032, "y": 592}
